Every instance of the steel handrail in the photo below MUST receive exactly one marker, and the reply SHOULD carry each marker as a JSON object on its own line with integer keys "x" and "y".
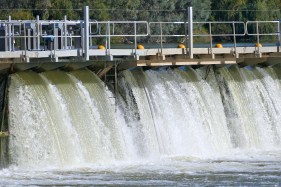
{"x": 112, "y": 24}
{"x": 258, "y": 34}
{"x": 257, "y": 24}
{"x": 161, "y": 23}
{"x": 202, "y": 23}
{"x": 110, "y": 32}
{"x": 210, "y": 23}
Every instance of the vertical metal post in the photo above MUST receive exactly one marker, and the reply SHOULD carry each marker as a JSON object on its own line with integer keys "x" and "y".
{"x": 91, "y": 36}
{"x": 258, "y": 37}
{"x": 135, "y": 35}
{"x": 65, "y": 33}
{"x": 161, "y": 38}
{"x": 38, "y": 33}
{"x": 190, "y": 31}
{"x": 55, "y": 40}
{"x": 25, "y": 38}
{"x": 211, "y": 38}
{"x": 185, "y": 30}
{"x": 108, "y": 38}
{"x": 234, "y": 38}
{"x": 86, "y": 33}
{"x": 113, "y": 29}
{"x": 70, "y": 42}
{"x": 279, "y": 37}
{"x": 29, "y": 39}
{"x": 13, "y": 37}
{"x": 9, "y": 34}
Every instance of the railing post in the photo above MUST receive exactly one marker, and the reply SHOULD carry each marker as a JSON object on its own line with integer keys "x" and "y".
{"x": 135, "y": 35}
{"x": 211, "y": 39}
{"x": 38, "y": 32}
{"x": 190, "y": 31}
{"x": 161, "y": 39}
{"x": 9, "y": 34}
{"x": 13, "y": 37}
{"x": 279, "y": 36}
{"x": 234, "y": 39}
{"x": 108, "y": 38}
{"x": 258, "y": 37}
{"x": 65, "y": 33}
{"x": 25, "y": 38}
{"x": 86, "y": 33}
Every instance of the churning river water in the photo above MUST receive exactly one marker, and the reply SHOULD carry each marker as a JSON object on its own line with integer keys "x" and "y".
{"x": 171, "y": 127}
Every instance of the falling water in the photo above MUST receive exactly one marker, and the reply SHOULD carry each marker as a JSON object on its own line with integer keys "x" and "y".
{"x": 69, "y": 119}
{"x": 65, "y": 119}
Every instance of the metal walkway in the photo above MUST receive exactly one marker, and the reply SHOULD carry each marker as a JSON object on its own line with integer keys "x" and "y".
{"x": 50, "y": 44}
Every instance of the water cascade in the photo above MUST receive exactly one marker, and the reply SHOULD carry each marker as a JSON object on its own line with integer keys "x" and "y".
{"x": 61, "y": 119}
{"x": 69, "y": 118}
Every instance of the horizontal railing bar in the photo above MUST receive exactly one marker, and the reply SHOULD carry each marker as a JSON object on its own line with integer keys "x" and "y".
{"x": 104, "y": 35}
{"x": 198, "y": 35}
{"x": 122, "y": 21}
{"x": 261, "y": 34}
{"x": 42, "y": 36}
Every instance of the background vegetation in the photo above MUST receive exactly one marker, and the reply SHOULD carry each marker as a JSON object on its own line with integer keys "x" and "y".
{"x": 148, "y": 10}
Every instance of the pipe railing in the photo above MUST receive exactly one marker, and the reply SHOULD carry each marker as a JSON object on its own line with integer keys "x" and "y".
{"x": 232, "y": 24}
{"x": 181, "y": 30}
{"x": 257, "y": 25}
{"x": 111, "y": 30}
{"x": 41, "y": 30}
{"x": 258, "y": 31}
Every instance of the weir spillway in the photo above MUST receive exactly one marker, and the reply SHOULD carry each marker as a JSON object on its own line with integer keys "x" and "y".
{"x": 70, "y": 101}
{"x": 62, "y": 119}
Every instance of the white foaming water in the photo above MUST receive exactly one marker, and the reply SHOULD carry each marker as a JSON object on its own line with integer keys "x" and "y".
{"x": 182, "y": 120}
{"x": 61, "y": 119}
{"x": 253, "y": 104}
{"x": 60, "y": 123}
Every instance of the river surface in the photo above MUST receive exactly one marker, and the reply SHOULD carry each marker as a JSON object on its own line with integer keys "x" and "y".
{"x": 252, "y": 170}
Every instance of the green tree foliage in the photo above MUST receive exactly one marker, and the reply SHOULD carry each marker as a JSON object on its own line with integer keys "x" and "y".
{"x": 150, "y": 10}
{"x": 22, "y": 15}
{"x": 246, "y": 10}
{"x": 65, "y": 7}
{"x": 201, "y": 8}
{"x": 160, "y": 10}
